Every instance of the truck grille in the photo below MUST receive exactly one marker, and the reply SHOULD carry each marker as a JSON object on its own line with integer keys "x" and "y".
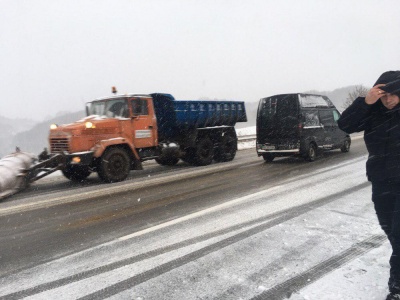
{"x": 59, "y": 145}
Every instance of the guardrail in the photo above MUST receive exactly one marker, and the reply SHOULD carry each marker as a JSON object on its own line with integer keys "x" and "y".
{"x": 247, "y": 138}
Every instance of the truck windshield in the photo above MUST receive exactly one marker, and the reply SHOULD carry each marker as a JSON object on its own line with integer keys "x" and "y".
{"x": 111, "y": 108}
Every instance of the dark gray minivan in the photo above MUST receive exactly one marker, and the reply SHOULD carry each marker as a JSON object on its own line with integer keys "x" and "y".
{"x": 298, "y": 124}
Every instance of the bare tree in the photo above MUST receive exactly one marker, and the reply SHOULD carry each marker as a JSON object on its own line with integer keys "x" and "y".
{"x": 357, "y": 91}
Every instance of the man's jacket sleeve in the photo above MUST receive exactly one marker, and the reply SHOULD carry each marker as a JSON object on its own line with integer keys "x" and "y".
{"x": 355, "y": 117}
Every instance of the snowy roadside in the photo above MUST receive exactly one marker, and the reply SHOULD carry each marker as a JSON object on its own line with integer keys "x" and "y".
{"x": 362, "y": 278}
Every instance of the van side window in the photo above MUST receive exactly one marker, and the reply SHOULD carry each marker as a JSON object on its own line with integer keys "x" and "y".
{"x": 336, "y": 115}
{"x": 139, "y": 107}
{"x": 311, "y": 118}
{"x": 326, "y": 117}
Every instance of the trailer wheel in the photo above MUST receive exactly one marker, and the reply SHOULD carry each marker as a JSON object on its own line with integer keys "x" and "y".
{"x": 167, "y": 161}
{"x": 114, "y": 165}
{"x": 76, "y": 173}
{"x": 204, "y": 152}
{"x": 188, "y": 157}
{"x": 227, "y": 148}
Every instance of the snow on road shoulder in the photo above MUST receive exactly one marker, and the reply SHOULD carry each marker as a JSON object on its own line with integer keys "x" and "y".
{"x": 246, "y": 131}
{"x": 246, "y": 144}
{"x": 363, "y": 278}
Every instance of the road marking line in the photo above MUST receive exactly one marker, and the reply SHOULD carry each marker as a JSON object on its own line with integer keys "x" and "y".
{"x": 197, "y": 214}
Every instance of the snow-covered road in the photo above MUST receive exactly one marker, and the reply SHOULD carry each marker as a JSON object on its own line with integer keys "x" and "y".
{"x": 312, "y": 236}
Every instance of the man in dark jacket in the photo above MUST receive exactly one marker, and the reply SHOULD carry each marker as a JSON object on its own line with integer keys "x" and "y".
{"x": 378, "y": 115}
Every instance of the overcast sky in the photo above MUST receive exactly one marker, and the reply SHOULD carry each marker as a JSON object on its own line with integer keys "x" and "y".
{"x": 56, "y": 55}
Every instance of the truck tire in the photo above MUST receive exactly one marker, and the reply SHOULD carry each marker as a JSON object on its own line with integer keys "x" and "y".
{"x": 204, "y": 152}
{"x": 167, "y": 160}
{"x": 76, "y": 173}
{"x": 188, "y": 157}
{"x": 226, "y": 149}
{"x": 114, "y": 165}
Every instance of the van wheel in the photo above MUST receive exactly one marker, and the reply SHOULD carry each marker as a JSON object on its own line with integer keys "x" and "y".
{"x": 268, "y": 157}
{"x": 114, "y": 165}
{"x": 311, "y": 153}
{"x": 204, "y": 152}
{"x": 346, "y": 145}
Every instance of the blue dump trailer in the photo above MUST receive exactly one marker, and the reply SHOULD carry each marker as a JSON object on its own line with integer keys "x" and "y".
{"x": 197, "y": 131}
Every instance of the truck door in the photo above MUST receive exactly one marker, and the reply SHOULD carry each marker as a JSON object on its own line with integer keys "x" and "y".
{"x": 144, "y": 124}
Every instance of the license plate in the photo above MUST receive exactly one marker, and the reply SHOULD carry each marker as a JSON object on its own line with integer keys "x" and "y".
{"x": 268, "y": 147}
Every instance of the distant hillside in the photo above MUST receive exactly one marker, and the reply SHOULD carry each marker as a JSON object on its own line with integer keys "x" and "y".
{"x": 9, "y": 128}
{"x": 337, "y": 96}
{"x": 35, "y": 139}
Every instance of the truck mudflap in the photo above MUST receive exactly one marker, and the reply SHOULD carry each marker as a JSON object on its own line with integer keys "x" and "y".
{"x": 19, "y": 169}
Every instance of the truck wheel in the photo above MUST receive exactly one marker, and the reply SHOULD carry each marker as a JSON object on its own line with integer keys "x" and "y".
{"x": 188, "y": 157}
{"x": 167, "y": 161}
{"x": 311, "y": 153}
{"x": 114, "y": 165}
{"x": 346, "y": 145}
{"x": 268, "y": 157}
{"x": 204, "y": 152}
{"x": 76, "y": 173}
{"x": 227, "y": 148}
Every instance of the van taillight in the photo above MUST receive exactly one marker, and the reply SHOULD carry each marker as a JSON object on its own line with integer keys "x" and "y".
{"x": 300, "y": 126}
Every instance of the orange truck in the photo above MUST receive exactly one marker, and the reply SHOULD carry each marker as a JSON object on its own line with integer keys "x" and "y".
{"x": 122, "y": 131}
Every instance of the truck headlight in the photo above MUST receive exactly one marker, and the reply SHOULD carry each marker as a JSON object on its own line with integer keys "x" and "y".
{"x": 90, "y": 125}
{"x": 76, "y": 160}
{"x": 53, "y": 126}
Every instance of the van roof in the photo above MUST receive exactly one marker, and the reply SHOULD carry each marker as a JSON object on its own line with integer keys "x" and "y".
{"x": 304, "y": 94}
{"x": 329, "y": 101}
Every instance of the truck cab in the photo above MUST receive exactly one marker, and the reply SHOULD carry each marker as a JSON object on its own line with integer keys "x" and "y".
{"x": 118, "y": 127}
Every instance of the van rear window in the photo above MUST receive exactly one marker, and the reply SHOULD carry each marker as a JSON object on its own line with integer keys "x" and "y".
{"x": 279, "y": 106}
{"x": 279, "y": 110}
{"x": 313, "y": 101}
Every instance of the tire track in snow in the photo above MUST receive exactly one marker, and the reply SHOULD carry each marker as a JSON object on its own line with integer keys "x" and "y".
{"x": 285, "y": 289}
{"x": 277, "y": 264}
